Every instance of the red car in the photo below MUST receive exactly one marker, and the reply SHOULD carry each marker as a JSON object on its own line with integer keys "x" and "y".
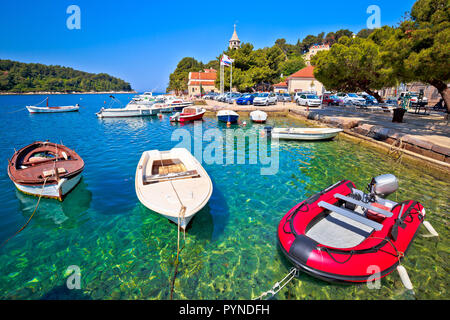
{"x": 330, "y": 100}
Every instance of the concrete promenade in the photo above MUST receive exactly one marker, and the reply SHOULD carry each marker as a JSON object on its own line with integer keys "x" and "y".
{"x": 425, "y": 135}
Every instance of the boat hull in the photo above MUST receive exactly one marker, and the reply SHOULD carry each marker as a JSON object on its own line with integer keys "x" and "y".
{"x": 228, "y": 118}
{"x": 306, "y": 135}
{"x": 166, "y": 194}
{"x": 52, "y": 191}
{"x": 33, "y": 109}
{"x": 123, "y": 113}
{"x": 258, "y": 116}
{"x": 336, "y": 248}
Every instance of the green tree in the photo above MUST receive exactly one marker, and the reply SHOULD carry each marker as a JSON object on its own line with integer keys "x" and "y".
{"x": 352, "y": 65}
{"x": 419, "y": 49}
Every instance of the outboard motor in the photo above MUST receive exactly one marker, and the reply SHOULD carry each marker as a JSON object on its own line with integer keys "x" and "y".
{"x": 383, "y": 185}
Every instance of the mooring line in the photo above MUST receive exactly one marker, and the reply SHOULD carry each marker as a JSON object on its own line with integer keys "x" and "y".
{"x": 29, "y": 219}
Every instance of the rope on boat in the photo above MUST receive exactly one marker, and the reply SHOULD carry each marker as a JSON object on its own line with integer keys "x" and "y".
{"x": 397, "y": 150}
{"x": 181, "y": 217}
{"x": 29, "y": 219}
{"x": 279, "y": 285}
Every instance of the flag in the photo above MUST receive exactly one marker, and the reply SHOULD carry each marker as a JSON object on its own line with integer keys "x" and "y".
{"x": 226, "y": 60}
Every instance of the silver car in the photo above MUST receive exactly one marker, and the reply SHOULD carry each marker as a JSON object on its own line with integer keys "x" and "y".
{"x": 264, "y": 99}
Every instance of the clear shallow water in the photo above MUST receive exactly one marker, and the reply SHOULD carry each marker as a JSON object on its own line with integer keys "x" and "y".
{"x": 125, "y": 251}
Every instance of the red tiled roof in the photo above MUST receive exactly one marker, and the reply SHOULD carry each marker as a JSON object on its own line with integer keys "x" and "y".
{"x": 204, "y": 83}
{"x": 203, "y": 76}
{"x": 307, "y": 72}
{"x": 210, "y": 70}
{"x": 281, "y": 84}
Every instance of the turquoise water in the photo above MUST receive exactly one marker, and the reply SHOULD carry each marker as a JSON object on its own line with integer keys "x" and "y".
{"x": 125, "y": 251}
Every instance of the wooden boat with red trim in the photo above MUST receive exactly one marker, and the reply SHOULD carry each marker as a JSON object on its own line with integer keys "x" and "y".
{"x": 54, "y": 109}
{"x": 188, "y": 114}
{"x": 45, "y": 169}
{"x": 342, "y": 234}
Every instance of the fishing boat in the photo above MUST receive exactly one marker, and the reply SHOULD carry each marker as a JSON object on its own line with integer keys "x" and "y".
{"x": 227, "y": 116}
{"x": 45, "y": 169}
{"x": 188, "y": 114}
{"x": 54, "y": 109}
{"x": 133, "y": 109}
{"x": 172, "y": 183}
{"x": 177, "y": 103}
{"x": 303, "y": 133}
{"x": 341, "y": 233}
{"x": 258, "y": 116}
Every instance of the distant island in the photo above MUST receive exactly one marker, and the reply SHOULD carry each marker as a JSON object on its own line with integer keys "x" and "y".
{"x": 18, "y": 77}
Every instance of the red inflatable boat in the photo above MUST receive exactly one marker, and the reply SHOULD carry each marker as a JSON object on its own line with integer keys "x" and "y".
{"x": 342, "y": 234}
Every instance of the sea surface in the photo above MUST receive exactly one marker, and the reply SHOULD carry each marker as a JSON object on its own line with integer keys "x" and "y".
{"x": 123, "y": 250}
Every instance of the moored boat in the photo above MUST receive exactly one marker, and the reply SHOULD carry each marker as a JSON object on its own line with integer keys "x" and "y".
{"x": 34, "y": 109}
{"x": 52, "y": 109}
{"x": 340, "y": 234}
{"x": 227, "y": 116}
{"x": 133, "y": 109}
{"x": 172, "y": 183}
{"x": 45, "y": 169}
{"x": 304, "y": 133}
{"x": 188, "y": 114}
{"x": 177, "y": 104}
{"x": 258, "y": 116}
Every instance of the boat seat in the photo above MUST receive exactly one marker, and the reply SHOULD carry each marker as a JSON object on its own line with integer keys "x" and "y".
{"x": 170, "y": 176}
{"x": 350, "y": 214}
{"x": 364, "y": 205}
{"x": 337, "y": 231}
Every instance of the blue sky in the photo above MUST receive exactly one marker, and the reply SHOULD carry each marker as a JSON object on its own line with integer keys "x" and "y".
{"x": 142, "y": 41}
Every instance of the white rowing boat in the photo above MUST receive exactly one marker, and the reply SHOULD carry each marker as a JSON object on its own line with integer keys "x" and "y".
{"x": 172, "y": 183}
{"x": 305, "y": 133}
{"x": 35, "y": 109}
{"x": 258, "y": 116}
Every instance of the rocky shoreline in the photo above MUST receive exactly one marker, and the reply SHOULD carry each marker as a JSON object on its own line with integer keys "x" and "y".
{"x": 423, "y": 139}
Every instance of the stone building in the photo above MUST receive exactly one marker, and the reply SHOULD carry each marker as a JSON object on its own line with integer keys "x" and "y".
{"x": 304, "y": 81}
{"x": 313, "y": 50}
{"x": 206, "y": 80}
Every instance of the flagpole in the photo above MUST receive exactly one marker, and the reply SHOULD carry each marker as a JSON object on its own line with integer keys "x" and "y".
{"x": 231, "y": 76}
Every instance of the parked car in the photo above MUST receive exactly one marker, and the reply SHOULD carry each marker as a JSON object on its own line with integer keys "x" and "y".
{"x": 284, "y": 97}
{"x": 246, "y": 98}
{"x": 370, "y": 100}
{"x": 330, "y": 99}
{"x": 233, "y": 97}
{"x": 223, "y": 97}
{"x": 219, "y": 96}
{"x": 414, "y": 97}
{"x": 264, "y": 99}
{"x": 352, "y": 99}
{"x": 298, "y": 94}
{"x": 392, "y": 101}
{"x": 210, "y": 95}
{"x": 310, "y": 100}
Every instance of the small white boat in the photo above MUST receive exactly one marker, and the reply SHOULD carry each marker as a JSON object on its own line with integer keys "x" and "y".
{"x": 172, "y": 183}
{"x": 258, "y": 116}
{"x": 35, "y": 109}
{"x": 305, "y": 133}
{"x": 188, "y": 114}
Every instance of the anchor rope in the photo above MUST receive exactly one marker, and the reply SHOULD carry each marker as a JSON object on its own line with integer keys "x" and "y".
{"x": 280, "y": 284}
{"x": 29, "y": 219}
{"x": 180, "y": 218}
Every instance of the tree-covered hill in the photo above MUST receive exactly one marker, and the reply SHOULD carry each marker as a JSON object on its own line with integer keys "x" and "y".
{"x": 35, "y": 77}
